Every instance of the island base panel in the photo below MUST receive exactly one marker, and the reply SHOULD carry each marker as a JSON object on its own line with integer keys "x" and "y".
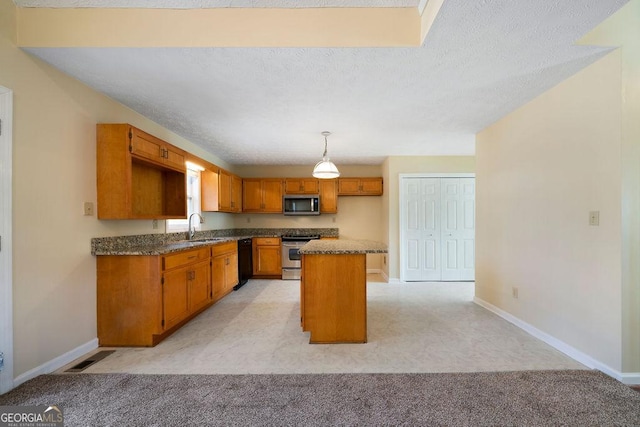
{"x": 334, "y": 298}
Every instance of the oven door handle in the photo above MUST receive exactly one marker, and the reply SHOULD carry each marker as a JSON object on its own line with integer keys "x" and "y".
{"x": 292, "y": 245}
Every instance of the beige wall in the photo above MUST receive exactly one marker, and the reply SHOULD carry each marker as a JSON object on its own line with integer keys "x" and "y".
{"x": 393, "y": 167}
{"x": 623, "y": 29}
{"x": 358, "y": 217}
{"x": 539, "y": 172}
{"x": 54, "y": 277}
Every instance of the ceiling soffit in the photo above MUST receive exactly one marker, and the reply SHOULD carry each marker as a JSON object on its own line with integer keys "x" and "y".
{"x": 225, "y": 27}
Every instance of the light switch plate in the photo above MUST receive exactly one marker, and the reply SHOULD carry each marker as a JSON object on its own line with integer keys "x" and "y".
{"x": 88, "y": 208}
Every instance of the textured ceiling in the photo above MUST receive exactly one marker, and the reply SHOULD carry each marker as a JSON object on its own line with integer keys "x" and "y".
{"x": 480, "y": 61}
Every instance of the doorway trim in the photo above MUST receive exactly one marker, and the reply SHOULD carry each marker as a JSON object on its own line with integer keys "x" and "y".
{"x": 401, "y": 223}
{"x": 6, "y": 273}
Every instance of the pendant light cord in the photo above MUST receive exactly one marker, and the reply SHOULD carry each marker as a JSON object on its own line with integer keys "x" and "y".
{"x": 324, "y": 155}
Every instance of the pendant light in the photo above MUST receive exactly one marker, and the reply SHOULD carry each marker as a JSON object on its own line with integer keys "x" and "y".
{"x": 325, "y": 169}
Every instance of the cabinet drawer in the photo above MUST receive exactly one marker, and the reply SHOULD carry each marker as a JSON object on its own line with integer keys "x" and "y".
{"x": 266, "y": 241}
{"x": 224, "y": 248}
{"x": 185, "y": 258}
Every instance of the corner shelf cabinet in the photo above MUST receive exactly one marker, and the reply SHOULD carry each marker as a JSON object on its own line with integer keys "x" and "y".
{"x": 138, "y": 175}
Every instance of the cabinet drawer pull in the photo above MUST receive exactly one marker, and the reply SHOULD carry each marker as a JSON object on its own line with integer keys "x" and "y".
{"x": 193, "y": 256}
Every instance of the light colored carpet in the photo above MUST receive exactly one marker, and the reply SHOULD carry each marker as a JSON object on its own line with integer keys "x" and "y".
{"x": 531, "y": 398}
{"x": 412, "y": 327}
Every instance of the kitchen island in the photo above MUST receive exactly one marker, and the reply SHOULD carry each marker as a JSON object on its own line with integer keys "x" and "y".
{"x": 333, "y": 289}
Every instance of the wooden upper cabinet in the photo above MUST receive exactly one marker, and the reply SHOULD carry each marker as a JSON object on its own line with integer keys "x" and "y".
{"x": 209, "y": 191}
{"x": 251, "y": 195}
{"x": 221, "y": 191}
{"x": 138, "y": 176}
{"x": 328, "y": 195}
{"x": 149, "y": 147}
{"x": 262, "y": 195}
{"x": 224, "y": 186}
{"x": 359, "y": 186}
{"x": 236, "y": 194}
{"x": 301, "y": 186}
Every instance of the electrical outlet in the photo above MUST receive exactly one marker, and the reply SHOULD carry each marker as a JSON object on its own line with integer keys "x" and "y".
{"x": 248, "y": 220}
{"x": 594, "y": 218}
{"x": 88, "y": 208}
{"x": 333, "y": 219}
{"x": 154, "y": 224}
{"x": 514, "y": 292}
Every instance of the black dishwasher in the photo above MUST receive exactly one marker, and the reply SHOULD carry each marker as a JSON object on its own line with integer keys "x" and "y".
{"x": 245, "y": 262}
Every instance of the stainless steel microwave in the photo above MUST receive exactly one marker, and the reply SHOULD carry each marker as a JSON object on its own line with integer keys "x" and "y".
{"x": 301, "y": 204}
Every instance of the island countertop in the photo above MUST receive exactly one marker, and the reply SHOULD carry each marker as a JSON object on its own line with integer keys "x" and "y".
{"x": 343, "y": 246}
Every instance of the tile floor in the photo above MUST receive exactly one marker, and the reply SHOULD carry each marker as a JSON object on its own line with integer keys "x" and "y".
{"x": 412, "y": 327}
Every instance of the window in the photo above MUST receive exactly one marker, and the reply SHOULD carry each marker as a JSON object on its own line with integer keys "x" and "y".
{"x": 193, "y": 201}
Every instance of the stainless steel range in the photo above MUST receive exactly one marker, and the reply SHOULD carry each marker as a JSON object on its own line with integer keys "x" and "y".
{"x": 291, "y": 258}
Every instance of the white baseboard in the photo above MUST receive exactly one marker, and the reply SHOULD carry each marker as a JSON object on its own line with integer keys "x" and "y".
{"x": 380, "y": 272}
{"x": 632, "y": 378}
{"x": 575, "y": 354}
{"x": 57, "y": 363}
{"x": 384, "y": 276}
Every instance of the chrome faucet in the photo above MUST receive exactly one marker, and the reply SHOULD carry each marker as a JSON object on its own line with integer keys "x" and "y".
{"x": 191, "y": 232}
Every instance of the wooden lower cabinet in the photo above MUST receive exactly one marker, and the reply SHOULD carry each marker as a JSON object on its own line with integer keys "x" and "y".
{"x": 224, "y": 269}
{"x": 143, "y": 299}
{"x": 333, "y": 298}
{"x": 175, "y": 298}
{"x": 267, "y": 257}
{"x": 200, "y": 294}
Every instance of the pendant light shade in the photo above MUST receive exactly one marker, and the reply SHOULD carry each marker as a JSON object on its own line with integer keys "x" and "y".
{"x": 325, "y": 169}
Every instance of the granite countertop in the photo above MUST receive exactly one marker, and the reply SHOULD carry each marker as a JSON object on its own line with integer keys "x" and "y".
{"x": 166, "y": 248}
{"x": 165, "y": 243}
{"x": 343, "y": 246}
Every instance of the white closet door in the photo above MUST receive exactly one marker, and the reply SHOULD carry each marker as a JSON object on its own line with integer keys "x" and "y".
{"x": 422, "y": 229}
{"x": 412, "y": 267}
{"x": 450, "y": 229}
{"x": 439, "y": 229}
{"x": 467, "y": 232}
{"x": 458, "y": 229}
{"x": 431, "y": 228}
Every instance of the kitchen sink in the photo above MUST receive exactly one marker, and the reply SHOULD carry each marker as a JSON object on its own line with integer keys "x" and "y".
{"x": 207, "y": 239}
{"x": 195, "y": 242}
